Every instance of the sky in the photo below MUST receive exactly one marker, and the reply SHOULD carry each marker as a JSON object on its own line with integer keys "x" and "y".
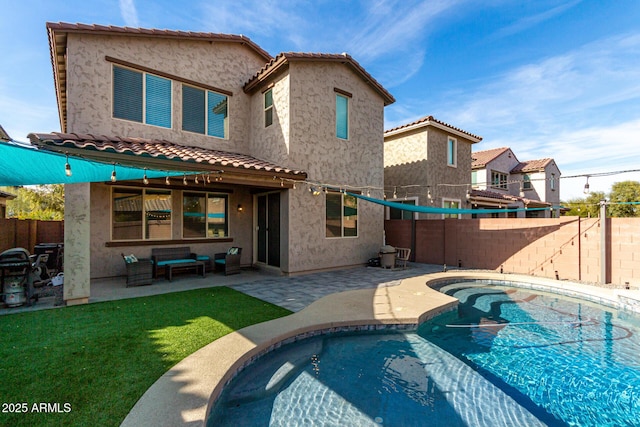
{"x": 557, "y": 79}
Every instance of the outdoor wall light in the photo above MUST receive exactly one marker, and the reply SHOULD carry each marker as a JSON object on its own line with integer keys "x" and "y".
{"x": 314, "y": 191}
{"x": 240, "y": 208}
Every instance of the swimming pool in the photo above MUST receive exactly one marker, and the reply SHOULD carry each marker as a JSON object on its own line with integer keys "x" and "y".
{"x": 508, "y": 356}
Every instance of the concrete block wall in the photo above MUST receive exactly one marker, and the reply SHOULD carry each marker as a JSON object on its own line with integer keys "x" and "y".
{"x": 566, "y": 248}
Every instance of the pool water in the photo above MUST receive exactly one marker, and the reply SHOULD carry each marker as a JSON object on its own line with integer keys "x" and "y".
{"x": 506, "y": 357}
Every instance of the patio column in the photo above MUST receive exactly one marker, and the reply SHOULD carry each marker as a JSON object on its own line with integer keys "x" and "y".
{"x": 77, "y": 243}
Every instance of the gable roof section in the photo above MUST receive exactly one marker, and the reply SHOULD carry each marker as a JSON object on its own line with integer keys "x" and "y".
{"x": 146, "y": 151}
{"x": 7, "y": 196}
{"x": 531, "y": 165}
{"x": 282, "y": 60}
{"x": 432, "y": 121}
{"x": 58, "y": 48}
{"x": 479, "y": 159}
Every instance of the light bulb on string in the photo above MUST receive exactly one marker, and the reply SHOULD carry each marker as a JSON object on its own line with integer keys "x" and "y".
{"x": 145, "y": 180}
{"x": 67, "y": 167}
{"x": 184, "y": 179}
{"x": 167, "y": 181}
{"x": 113, "y": 174}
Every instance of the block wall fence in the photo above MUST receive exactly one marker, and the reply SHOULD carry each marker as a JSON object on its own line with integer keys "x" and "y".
{"x": 566, "y": 248}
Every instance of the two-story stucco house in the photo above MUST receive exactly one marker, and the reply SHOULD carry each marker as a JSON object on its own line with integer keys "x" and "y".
{"x": 250, "y": 131}
{"x": 500, "y": 180}
{"x": 427, "y": 163}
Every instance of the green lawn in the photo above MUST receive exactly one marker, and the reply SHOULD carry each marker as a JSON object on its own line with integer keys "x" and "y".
{"x": 98, "y": 359}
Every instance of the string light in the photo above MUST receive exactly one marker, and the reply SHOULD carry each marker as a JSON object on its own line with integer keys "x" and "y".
{"x": 167, "y": 181}
{"x": 145, "y": 180}
{"x": 586, "y": 186}
{"x": 67, "y": 167}
{"x": 195, "y": 179}
{"x": 184, "y": 179}
{"x": 113, "y": 174}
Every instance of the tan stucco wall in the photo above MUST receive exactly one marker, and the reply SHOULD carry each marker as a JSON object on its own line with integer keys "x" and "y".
{"x": 227, "y": 66}
{"x": 419, "y": 157}
{"x": 356, "y": 162}
{"x": 107, "y": 261}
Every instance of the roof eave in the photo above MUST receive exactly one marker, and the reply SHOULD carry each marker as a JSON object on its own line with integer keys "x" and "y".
{"x": 473, "y": 138}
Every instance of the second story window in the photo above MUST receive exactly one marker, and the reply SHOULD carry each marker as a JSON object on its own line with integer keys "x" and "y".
{"x": 141, "y": 97}
{"x": 452, "y": 152}
{"x": 526, "y": 182}
{"x": 268, "y": 108}
{"x": 205, "y": 112}
{"x": 552, "y": 182}
{"x": 342, "y": 116}
{"x": 499, "y": 180}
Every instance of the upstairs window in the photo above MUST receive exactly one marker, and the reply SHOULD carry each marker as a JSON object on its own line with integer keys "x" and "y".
{"x": 341, "y": 215}
{"x": 205, "y": 112}
{"x": 452, "y": 152}
{"x": 526, "y": 182}
{"x": 342, "y": 116}
{"x": 552, "y": 183}
{"x": 268, "y": 108}
{"x": 141, "y": 97}
{"x": 499, "y": 180}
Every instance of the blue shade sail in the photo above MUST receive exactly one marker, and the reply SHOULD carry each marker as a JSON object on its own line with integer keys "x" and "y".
{"x": 158, "y": 101}
{"x": 435, "y": 210}
{"x": 127, "y": 94}
{"x": 193, "y": 109}
{"x": 342, "y": 117}
{"x": 21, "y": 164}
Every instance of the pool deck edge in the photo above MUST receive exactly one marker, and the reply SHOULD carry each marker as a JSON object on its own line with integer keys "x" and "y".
{"x": 182, "y": 395}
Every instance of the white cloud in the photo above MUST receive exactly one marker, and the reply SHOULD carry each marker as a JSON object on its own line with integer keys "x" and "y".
{"x": 129, "y": 13}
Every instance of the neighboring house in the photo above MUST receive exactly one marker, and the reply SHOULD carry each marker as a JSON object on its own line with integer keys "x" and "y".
{"x": 500, "y": 180}
{"x": 3, "y": 202}
{"x": 427, "y": 163}
{"x": 257, "y": 129}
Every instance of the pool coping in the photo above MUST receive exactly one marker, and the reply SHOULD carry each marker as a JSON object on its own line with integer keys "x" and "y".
{"x": 184, "y": 394}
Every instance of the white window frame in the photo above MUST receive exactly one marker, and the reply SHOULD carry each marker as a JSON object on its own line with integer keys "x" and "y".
{"x": 387, "y": 210}
{"x": 454, "y": 152}
{"x": 342, "y": 236}
{"x": 268, "y": 108}
{"x": 142, "y": 225}
{"x": 500, "y": 184}
{"x": 446, "y": 200}
{"x": 348, "y": 118}
{"x": 206, "y": 110}
{"x": 206, "y": 195}
{"x": 144, "y": 96}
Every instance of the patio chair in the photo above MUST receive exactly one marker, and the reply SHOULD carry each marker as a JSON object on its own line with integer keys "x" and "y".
{"x": 402, "y": 257}
{"x": 228, "y": 261}
{"x": 139, "y": 271}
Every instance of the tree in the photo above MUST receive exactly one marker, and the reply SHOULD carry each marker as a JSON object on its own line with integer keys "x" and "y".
{"x": 587, "y": 207}
{"x": 622, "y": 195}
{"x": 44, "y": 202}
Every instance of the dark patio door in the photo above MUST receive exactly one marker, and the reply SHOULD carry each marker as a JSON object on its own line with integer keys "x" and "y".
{"x": 269, "y": 229}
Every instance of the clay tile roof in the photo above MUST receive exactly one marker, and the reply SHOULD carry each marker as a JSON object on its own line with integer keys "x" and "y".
{"x": 159, "y": 149}
{"x": 110, "y": 29}
{"x": 430, "y": 120}
{"x": 487, "y": 194}
{"x": 479, "y": 159}
{"x": 282, "y": 60}
{"x": 531, "y": 165}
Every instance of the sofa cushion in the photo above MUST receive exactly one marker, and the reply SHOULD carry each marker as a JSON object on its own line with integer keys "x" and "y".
{"x": 175, "y": 261}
